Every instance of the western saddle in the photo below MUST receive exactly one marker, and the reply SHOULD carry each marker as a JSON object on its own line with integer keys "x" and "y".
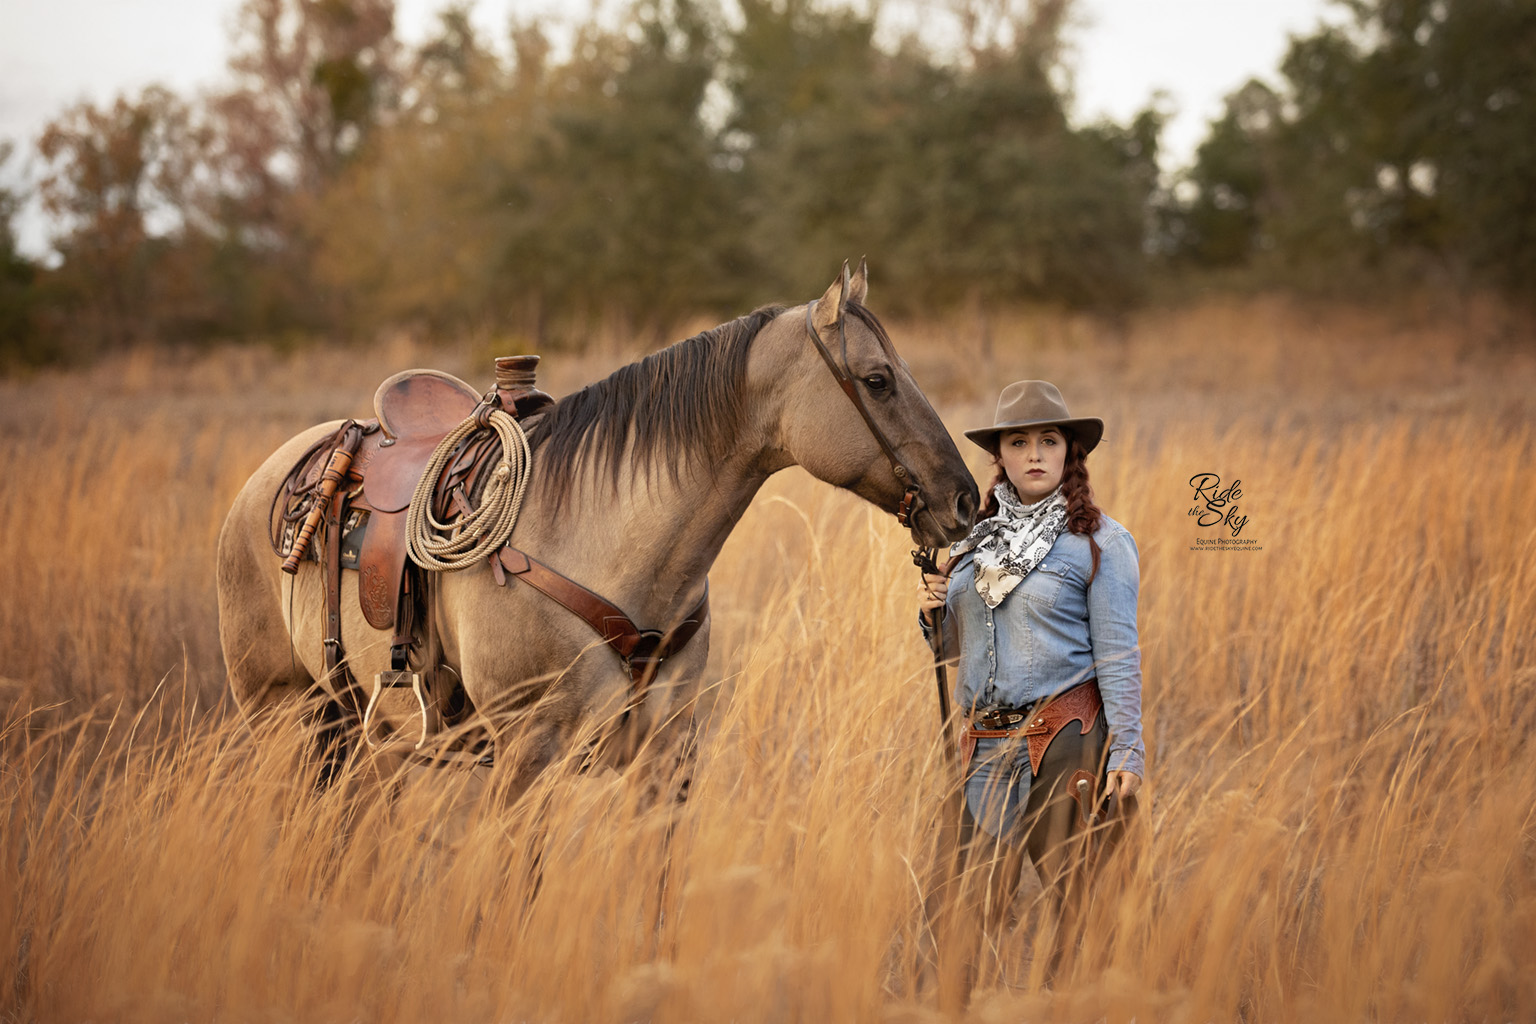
{"x": 355, "y": 487}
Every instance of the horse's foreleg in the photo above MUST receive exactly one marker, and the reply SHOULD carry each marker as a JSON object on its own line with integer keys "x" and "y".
{"x": 527, "y": 744}
{"x": 665, "y": 763}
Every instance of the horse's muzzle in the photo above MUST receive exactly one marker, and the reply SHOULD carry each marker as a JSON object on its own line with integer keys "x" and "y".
{"x": 942, "y": 523}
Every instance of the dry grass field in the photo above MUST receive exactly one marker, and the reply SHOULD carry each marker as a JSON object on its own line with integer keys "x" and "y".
{"x": 1339, "y": 819}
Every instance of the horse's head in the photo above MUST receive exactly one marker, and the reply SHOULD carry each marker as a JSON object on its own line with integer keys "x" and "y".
{"x": 853, "y": 416}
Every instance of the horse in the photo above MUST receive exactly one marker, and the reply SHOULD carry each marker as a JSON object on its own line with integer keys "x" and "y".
{"x": 635, "y": 483}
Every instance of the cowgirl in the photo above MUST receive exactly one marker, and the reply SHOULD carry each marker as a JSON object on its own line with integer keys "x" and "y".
{"x": 1041, "y": 616}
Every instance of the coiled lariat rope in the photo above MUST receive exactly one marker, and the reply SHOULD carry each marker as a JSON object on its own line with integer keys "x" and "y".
{"x": 469, "y": 538}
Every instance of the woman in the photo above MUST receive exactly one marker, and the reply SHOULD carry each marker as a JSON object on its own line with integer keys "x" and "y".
{"x": 1040, "y": 616}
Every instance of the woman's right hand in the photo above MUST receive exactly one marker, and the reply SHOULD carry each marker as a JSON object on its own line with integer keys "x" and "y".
{"x": 932, "y": 592}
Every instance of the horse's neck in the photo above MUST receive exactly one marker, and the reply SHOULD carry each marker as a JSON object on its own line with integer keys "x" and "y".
{"x": 649, "y": 546}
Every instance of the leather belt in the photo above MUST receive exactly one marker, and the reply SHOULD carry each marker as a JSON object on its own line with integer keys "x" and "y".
{"x": 1001, "y": 720}
{"x": 1038, "y": 723}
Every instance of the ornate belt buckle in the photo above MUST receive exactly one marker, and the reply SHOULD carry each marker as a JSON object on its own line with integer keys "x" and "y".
{"x": 999, "y": 719}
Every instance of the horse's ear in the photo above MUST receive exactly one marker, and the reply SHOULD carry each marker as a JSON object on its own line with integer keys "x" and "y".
{"x": 834, "y": 301}
{"x": 858, "y": 288}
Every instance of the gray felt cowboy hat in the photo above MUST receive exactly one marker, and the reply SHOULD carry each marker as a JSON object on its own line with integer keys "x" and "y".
{"x": 1037, "y": 403}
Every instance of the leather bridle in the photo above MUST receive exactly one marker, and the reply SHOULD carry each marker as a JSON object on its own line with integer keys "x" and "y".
{"x": 911, "y": 499}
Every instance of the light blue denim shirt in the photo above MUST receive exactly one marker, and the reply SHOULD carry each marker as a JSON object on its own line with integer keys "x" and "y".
{"x": 1055, "y": 631}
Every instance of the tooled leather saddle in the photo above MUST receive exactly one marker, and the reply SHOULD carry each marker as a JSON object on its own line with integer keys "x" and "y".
{"x": 414, "y": 410}
{"x": 357, "y": 485}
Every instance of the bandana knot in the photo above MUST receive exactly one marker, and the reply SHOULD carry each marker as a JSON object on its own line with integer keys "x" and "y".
{"x": 1012, "y": 543}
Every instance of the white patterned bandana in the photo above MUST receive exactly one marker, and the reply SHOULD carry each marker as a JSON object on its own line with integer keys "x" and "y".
{"x": 1010, "y": 544}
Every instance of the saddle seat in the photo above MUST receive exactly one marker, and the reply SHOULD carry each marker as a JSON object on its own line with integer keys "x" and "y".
{"x": 416, "y": 409}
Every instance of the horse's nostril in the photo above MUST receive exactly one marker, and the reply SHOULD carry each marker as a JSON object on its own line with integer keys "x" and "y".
{"x": 965, "y": 508}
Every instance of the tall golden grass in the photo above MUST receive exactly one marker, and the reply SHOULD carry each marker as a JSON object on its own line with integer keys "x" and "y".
{"x": 1338, "y": 823}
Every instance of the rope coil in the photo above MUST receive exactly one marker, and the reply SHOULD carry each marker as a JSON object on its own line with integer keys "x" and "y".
{"x": 471, "y": 537}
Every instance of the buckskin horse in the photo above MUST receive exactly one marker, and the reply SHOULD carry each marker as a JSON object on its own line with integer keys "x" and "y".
{"x": 635, "y": 483}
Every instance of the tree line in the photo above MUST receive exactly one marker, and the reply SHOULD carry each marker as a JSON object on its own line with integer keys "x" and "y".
{"x": 1397, "y": 145}
{"x": 682, "y": 160}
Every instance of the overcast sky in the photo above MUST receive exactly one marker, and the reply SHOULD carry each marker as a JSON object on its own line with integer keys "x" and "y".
{"x": 55, "y": 52}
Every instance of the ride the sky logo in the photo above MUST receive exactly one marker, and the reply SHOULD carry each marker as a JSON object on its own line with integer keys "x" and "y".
{"x": 1218, "y": 507}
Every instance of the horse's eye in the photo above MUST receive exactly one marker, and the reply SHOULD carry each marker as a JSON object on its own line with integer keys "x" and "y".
{"x": 875, "y": 382}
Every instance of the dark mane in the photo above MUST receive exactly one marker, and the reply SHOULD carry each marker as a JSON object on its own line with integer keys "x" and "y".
{"x": 688, "y": 394}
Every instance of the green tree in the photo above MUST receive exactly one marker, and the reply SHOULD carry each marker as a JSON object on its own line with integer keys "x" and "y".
{"x": 318, "y": 75}
{"x": 541, "y": 193}
{"x": 999, "y": 198}
{"x": 313, "y": 81}
{"x": 632, "y": 190}
{"x": 812, "y": 134}
{"x": 1404, "y": 139}
{"x": 411, "y": 231}
{"x": 20, "y": 341}
{"x": 1220, "y": 215}
{"x": 963, "y": 180}
{"x": 1479, "y": 156}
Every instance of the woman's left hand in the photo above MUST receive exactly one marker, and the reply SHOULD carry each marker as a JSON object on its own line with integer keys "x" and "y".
{"x": 1122, "y": 784}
